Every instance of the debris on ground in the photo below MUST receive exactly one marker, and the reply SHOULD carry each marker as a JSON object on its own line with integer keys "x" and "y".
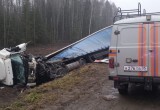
{"x": 86, "y": 88}
{"x": 106, "y": 60}
{"x": 1, "y": 88}
{"x": 19, "y": 68}
{"x": 109, "y": 97}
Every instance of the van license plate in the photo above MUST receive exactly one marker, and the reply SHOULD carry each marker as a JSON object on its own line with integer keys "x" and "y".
{"x": 135, "y": 68}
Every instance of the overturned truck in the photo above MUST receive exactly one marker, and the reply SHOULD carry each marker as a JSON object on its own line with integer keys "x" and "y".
{"x": 18, "y": 68}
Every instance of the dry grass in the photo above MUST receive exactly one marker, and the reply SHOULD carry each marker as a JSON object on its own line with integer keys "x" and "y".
{"x": 49, "y": 92}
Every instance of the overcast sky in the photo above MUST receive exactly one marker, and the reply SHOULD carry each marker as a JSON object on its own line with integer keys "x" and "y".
{"x": 149, "y": 5}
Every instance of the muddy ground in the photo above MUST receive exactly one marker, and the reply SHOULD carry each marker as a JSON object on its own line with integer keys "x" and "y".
{"x": 98, "y": 94}
{"x": 91, "y": 91}
{"x": 86, "y": 88}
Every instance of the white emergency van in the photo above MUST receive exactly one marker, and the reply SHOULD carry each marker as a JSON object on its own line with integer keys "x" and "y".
{"x": 134, "y": 55}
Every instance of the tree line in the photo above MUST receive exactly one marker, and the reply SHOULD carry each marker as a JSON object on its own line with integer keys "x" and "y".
{"x": 52, "y": 21}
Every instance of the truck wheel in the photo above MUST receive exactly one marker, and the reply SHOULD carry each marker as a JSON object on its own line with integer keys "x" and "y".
{"x": 123, "y": 90}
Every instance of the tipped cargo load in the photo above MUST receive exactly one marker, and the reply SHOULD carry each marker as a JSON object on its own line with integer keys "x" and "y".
{"x": 18, "y": 69}
{"x": 86, "y": 50}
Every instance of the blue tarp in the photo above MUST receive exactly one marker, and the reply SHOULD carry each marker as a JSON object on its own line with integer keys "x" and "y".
{"x": 94, "y": 42}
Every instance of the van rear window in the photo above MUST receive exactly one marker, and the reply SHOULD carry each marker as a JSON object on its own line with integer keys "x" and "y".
{"x": 131, "y": 35}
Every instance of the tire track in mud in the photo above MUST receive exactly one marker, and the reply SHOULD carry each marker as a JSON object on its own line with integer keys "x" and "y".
{"x": 96, "y": 92}
{"x": 137, "y": 99}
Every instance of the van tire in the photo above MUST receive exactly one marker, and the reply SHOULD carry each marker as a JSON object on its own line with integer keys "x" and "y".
{"x": 123, "y": 90}
{"x": 155, "y": 88}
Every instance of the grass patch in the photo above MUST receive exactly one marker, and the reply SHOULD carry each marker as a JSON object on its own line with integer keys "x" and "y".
{"x": 66, "y": 83}
{"x": 48, "y": 92}
{"x": 32, "y": 97}
{"x": 16, "y": 106}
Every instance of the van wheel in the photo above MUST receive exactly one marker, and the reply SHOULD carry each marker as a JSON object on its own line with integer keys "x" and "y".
{"x": 123, "y": 90}
{"x": 155, "y": 88}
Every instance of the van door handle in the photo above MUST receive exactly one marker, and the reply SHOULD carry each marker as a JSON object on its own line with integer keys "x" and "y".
{"x": 135, "y": 60}
{"x": 150, "y": 50}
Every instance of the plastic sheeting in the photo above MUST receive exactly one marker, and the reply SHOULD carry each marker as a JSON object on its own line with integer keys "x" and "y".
{"x": 92, "y": 43}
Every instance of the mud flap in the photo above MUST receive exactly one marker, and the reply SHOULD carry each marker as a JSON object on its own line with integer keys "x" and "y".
{"x": 116, "y": 84}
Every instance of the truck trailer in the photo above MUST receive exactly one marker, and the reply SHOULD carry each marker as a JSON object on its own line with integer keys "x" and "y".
{"x": 18, "y": 68}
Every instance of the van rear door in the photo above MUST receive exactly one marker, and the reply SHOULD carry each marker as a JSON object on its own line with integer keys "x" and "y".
{"x": 154, "y": 49}
{"x": 132, "y": 50}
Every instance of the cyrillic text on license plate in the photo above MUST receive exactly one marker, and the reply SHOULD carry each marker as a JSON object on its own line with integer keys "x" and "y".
{"x": 135, "y": 68}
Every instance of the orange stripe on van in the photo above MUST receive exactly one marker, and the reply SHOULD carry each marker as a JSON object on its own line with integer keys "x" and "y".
{"x": 112, "y": 55}
{"x": 157, "y": 49}
{"x": 113, "y": 51}
{"x": 151, "y": 47}
{"x": 154, "y": 46}
{"x": 144, "y": 48}
{"x": 139, "y": 47}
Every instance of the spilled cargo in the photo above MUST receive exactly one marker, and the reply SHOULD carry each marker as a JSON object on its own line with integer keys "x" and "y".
{"x": 41, "y": 69}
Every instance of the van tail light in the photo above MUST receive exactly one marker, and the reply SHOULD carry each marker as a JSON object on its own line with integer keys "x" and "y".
{"x": 116, "y": 78}
{"x": 111, "y": 62}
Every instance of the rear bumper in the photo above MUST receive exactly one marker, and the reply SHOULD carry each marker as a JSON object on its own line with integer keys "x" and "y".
{"x": 135, "y": 79}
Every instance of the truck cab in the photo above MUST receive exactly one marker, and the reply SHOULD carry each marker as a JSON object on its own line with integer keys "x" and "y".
{"x": 134, "y": 55}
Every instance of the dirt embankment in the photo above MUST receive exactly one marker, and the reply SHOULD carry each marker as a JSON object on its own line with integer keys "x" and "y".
{"x": 87, "y": 88}
{"x": 58, "y": 94}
